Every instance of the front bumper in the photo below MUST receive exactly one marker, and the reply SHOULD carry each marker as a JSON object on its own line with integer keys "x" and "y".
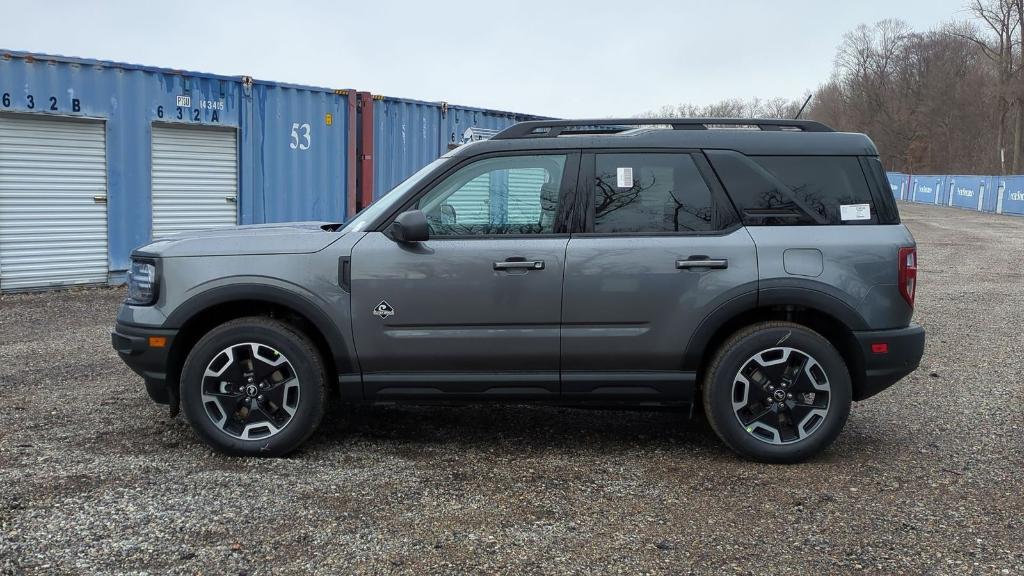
{"x": 888, "y": 356}
{"x": 139, "y": 347}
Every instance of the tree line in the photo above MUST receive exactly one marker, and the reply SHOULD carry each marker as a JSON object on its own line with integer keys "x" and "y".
{"x": 946, "y": 100}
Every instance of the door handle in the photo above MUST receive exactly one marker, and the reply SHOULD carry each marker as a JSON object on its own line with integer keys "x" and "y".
{"x": 520, "y": 265}
{"x": 702, "y": 262}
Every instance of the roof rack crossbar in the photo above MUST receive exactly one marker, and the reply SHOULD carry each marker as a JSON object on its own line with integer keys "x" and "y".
{"x": 554, "y": 128}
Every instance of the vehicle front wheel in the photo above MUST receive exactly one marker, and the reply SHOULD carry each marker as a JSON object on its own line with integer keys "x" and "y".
{"x": 777, "y": 392}
{"x": 254, "y": 386}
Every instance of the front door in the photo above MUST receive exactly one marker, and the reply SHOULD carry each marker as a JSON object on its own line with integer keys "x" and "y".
{"x": 662, "y": 248}
{"x": 475, "y": 310}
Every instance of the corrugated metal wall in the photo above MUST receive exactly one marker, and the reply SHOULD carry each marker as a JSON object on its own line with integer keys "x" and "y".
{"x": 409, "y": 134}
{"x": 406, "y": 137}
{"x": 301, "y": 145}
{"x": 295, "y": 146}
{"x": 53, "y": 212}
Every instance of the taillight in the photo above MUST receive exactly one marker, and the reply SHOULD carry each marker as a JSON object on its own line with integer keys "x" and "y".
{"x": 908, "y": 274}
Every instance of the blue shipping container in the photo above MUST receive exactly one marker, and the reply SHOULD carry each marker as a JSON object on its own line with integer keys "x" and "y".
{"x": 409, "y": 134}
{"x": 301, "y": 147}
{"x": 296, "y": 144}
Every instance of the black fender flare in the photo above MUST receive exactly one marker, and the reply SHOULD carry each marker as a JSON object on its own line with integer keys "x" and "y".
{"x": 249, "y": 291}
{"x": 783, "y": 292}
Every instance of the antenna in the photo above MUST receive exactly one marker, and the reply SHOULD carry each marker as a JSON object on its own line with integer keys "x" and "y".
{"x": 809, "y": 96}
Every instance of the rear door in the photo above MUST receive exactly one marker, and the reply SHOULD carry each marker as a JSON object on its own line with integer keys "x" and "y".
{"x": 660, "y": 250}
{"x": 475, "y": 310}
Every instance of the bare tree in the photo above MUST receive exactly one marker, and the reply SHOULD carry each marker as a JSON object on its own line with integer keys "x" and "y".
{"x": 998, "y": 38}
{"x": 731, "y": 108}
{"x": 931, "y": 100}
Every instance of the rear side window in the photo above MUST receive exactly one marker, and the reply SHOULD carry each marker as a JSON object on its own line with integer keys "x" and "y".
{"x": 651, "y": 193}
{"x": 789, "y": 190}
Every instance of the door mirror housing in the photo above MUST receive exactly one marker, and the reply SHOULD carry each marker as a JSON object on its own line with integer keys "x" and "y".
{"x": 410, "y": 226}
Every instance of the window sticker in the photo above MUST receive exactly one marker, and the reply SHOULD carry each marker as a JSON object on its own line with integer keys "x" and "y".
{"x": 625, "y": 177}
{"x": 855, "y": 212}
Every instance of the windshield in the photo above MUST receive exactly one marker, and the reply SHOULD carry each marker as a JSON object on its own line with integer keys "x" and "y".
{"x": 388, "y": 201}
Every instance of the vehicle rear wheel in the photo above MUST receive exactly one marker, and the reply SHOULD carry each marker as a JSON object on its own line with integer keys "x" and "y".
{"x": 777, "y": 392}
{"x": 254, "y": 386}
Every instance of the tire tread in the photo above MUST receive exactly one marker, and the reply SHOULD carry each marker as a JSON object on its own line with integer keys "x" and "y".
{"x": 713, "y": 367}
{"x": 307, "y": 347}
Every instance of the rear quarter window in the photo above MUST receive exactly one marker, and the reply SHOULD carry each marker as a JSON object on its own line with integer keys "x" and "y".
{"x": 796, "y": 190}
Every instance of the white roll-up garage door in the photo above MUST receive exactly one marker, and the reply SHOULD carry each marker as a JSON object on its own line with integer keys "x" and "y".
{"x": 53, "y": 212}
{"x": 195, "y": 179}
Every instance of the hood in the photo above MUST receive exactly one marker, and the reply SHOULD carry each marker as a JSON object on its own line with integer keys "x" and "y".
{"x": 254, "y": 239}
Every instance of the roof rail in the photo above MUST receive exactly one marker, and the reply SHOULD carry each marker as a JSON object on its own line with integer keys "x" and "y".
{"x": 553, "y": 128}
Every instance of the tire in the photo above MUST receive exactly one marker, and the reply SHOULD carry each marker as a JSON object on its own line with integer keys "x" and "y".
{"x": 254, "y": 387}
{"x": 747, "y": 411}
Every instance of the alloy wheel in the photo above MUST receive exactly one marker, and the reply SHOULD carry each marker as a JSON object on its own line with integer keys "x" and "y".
{"x": 781, "y": 395}
{"x": 250, "y": 391}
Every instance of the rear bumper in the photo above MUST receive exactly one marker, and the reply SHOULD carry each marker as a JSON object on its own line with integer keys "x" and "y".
{"x": 146, "y": 359}
{"x": 902, "y": 353}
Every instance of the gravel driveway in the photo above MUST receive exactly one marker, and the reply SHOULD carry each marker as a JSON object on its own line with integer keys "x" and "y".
{"x": 926, "y": 478}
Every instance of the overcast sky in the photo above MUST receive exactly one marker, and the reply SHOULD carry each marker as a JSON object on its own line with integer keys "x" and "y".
{"x": 559, "y": 58}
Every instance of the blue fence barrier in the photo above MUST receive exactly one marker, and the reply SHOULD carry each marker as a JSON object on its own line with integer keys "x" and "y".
{"x": 968, "y": 191}
{"x": 998, "y": 194}
{"x": 926, "y": 189}
{"x": 1011, "y": 195}
{"x": 899, "y": 183}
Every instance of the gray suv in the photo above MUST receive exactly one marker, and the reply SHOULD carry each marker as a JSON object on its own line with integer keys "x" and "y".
{"x": 756, "y": 266}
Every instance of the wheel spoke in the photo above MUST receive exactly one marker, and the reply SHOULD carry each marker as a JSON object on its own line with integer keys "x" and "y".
{"x": 278, "y": 380}
{"x": 802, "y": 381}
{"x": 806, "y": 418}
{"x": 265, "y": 413}
{"x": 780, "y": 395}
{"x": 787, "y": 429}
{"x": 239, "y": 406}
{"x": 765, "y": 416}
{"x": 795, "y": 369}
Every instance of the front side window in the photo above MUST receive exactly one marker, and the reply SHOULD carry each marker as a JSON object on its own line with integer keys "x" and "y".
{"x": 505, "y": 195}
{"x": 644, "y": 193}
{"x": 387, "y": 202}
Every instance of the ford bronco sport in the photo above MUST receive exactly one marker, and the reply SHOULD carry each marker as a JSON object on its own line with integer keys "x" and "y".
{"x": 757, "y": 266}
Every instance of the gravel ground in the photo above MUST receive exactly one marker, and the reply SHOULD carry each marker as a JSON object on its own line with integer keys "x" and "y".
{"x": 926, "y": 478}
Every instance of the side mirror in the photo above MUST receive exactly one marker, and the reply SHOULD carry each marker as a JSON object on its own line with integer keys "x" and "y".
{"x": 410, "y": 226}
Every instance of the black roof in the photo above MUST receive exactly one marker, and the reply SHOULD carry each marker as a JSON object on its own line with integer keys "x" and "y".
{"x": 764, "y": 137}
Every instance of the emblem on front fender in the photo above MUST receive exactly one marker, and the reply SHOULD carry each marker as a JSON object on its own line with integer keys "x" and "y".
{"x": 383, "y": 309}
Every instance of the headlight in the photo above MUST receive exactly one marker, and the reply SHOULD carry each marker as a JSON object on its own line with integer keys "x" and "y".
{"x": 142, "y": 283}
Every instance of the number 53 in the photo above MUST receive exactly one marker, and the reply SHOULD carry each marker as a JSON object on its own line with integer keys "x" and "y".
{"x": 297, "y": 142}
